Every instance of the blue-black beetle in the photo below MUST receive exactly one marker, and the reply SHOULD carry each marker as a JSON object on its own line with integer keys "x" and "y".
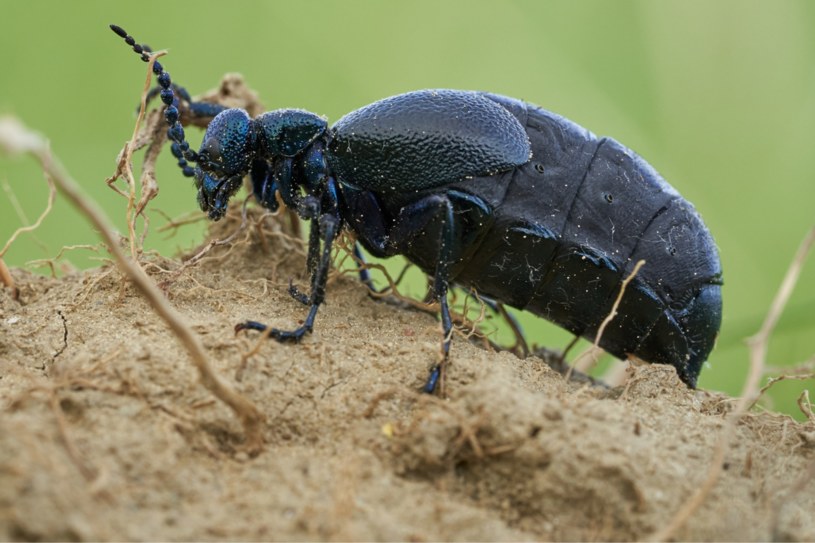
{"x": 482, "y": 191}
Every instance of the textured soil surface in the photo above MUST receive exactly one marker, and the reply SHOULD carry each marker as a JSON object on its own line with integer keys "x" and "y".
{"x": 107, "y": 433}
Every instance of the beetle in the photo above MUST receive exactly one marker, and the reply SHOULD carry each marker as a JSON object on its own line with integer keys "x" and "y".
{"x": 478, "y": 190}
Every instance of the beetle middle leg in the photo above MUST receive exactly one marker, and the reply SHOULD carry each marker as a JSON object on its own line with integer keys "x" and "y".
{"x": 437, "y": 232}
{"x": 430, "y": 226}
{"x": 436, "y": 210}
{"x": 440, "y": 286}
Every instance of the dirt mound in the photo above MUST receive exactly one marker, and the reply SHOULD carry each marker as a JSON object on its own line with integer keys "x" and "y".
{"x": 106, "y": 432}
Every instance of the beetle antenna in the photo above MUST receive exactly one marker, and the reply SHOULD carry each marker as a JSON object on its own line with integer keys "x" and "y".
{"x": 180, "y": 148}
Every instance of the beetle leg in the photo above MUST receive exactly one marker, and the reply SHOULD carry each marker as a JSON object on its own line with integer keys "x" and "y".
{"x": 309, "y": 209}
{"x": 521, "y": 347}
{"x": 329, "y": 226}
{"x": 200, "y": 113}
{"x": 432, "y": 212}
{"x": 364, "y": 215}
{"x": 264, "y": 185}
{"x": 288, "y": 189}
{"x": 441, "y": 278}
{"x": 435, "y": 230}
{"x": 297, "y": 294}
{"x": 204, "y": 111}
{"x": 432, "y": 379}
{"x": 364, "y": 276}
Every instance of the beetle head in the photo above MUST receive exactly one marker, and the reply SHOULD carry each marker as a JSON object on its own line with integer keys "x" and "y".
{"x": 224, "y": 159}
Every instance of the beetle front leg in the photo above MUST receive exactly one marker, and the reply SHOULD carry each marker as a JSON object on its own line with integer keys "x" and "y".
{"x": 309, "y": 209}
{"x": 328, "y": 215}
{"x": 329, "y": 228}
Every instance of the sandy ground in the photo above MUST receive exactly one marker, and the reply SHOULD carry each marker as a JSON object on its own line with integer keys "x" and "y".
{"x": 106, "y": 432}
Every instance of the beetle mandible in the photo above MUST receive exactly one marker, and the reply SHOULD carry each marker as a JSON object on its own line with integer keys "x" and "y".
{"x": 482, "y": 191}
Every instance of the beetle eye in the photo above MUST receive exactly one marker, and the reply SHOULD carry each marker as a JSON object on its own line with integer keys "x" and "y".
{"x": 210, "y": 155}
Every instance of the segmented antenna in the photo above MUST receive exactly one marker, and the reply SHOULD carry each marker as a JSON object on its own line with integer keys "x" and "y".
{"x": 180, "y": 148}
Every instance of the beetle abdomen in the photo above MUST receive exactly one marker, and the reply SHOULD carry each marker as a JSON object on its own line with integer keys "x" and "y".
{"x": 598, "y": 209}
{"x": 426, "y": 139}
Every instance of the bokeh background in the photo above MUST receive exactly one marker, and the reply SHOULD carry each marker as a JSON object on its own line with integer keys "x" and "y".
{"x": 718, "y": 96}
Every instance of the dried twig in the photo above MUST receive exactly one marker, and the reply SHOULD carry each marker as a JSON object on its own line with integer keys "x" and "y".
{"x": 773, "y": 380}
{"x": 51, "y": 263}
{"x": 805, "y": 405}
{"x": 6, "y": 278}
{"x": 14, "y": 137}
{"x": 807, "y": 366}
{"x": 52, "y": 192}
{"x": 172, "y": 225}
{"x": 758, "y": 355}
{"x": 5, "y": 275}
{"x": 133, "y": 209}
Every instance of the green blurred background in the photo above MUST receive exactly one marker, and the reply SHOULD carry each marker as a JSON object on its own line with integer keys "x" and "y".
{"x": 718, "y": 96}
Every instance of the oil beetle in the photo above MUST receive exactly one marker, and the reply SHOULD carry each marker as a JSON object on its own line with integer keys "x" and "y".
{"x": 482, "y": 191}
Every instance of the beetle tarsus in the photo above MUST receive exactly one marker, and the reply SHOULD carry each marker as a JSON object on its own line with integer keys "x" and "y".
{"x": 432, "y": 379}
{"x": 297, "y": 294}
{"x": 293, "y": 336}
